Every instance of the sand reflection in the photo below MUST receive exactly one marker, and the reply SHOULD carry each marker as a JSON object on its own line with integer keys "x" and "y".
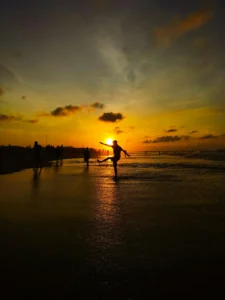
{"x": 108, "y": 233}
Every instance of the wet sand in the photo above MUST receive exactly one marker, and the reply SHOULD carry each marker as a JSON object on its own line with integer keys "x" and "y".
{"x": 73, "y": 233}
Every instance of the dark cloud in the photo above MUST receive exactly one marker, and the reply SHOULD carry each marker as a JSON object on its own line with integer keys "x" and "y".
{"x": 65, "y": 111}
{"x": 97, "y": 105}
{"x": 193, "y": 131}
{"x": 208, "y": 137}
{"x": 117, "y": 130}
{"x": 23, "y": 97}
{"x": 5, "y": 118}
{"x": 171, "y": 130}
{"x": 1, "y": 92}
{"x": 111, "y": 117}
{"x": 167, "y": 139}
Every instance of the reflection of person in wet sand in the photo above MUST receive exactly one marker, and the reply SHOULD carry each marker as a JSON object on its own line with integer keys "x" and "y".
{"x": 117, "y": 151}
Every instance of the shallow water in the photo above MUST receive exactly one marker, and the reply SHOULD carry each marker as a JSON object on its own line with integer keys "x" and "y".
{"x": 159, "y": 230}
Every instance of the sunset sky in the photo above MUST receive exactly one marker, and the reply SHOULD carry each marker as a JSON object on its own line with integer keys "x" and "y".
{"x": 150, "y": 74}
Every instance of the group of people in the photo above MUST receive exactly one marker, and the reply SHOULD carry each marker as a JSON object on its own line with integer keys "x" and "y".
{"x": 38, "y": 155}
{"x": 86, "y": 153}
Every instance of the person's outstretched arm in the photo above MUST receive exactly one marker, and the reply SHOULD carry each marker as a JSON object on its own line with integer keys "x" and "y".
{"x": 125, "y": 152}
{"x": 105, "y": 144}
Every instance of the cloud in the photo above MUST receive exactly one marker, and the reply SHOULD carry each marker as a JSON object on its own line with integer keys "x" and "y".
{"x": 1, "y": 92}
{"x": 117, "y": 130}
{"x": 165, "y": 35}
{"x": 23, "y": 97}
{"x": 5, "y": 118}
{"x": 171, "y": 130}
{"x": 166, "y": 139}
{"x": 97, "y": 105}
{"x": 111, "y": 117}
{"x": 207, "y": 137}
{"x": 8, "y": 118}
{"x": 65, "y": 111}
{"x": 193, "y": 131}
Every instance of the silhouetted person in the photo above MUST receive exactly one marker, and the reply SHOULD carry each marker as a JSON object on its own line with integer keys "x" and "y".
{"x": 57, "y": 154}
{"x": 117, "y": 153}
{"x": 61, "y": 154}
{"x": 37, "y": 155}
{"x": 86, "y": 156}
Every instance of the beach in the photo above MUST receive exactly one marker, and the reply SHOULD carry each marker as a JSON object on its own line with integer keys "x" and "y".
{"x": 74, "y": 232}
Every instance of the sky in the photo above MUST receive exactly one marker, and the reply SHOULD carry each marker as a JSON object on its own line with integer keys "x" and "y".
{"x": 150, "y": 74}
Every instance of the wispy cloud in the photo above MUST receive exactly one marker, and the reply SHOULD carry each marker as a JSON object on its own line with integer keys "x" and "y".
{"x": 43, "y": 114}
{"x": 8, "y": 76}
{"x": 34, "y": 121}
{"x": 5, "y": 118}
{"x": 117, "y": 130}
{"x": 65, "y": 111}
{"x": 111, "y": 117}
{"x": 10, "y": 118}
{"x": 193, "y": 131}
{"x": 207, "y": 137}
{"x": 166, "y": 139}
{"x": 171, "y": 130}
{"x": 165, "y": 35}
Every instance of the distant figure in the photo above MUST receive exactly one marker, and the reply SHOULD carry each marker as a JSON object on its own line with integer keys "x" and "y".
{"x": 86, "y": 156}
{"x": 37, "y": 155}
{"x": 57, "y": 154}
{"x": 159, "y": 152}
{"x": 117, "y": 151}
{"x": 61, "y": 155}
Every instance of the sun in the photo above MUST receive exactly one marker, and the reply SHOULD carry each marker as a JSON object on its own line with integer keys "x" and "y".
{"x": 109, "y": 141}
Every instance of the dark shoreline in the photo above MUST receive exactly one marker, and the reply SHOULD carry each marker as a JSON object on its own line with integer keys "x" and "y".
{"x": 14, "y": 159}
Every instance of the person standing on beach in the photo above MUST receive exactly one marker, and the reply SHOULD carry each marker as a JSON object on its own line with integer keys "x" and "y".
{"x": 117, "y": 153}
{"x": 87, "y": 156}
{"x": 61, "y": 155}
{"x": 37, "y": 155}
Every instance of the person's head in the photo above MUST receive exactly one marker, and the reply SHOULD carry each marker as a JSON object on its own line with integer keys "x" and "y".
{"x": 35, "y": 143}
{"x": 114, "y": 142}
{"x": 87, "y": 148}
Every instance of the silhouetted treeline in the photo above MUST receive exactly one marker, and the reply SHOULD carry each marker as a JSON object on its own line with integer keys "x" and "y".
{"x": 15, "y": 158}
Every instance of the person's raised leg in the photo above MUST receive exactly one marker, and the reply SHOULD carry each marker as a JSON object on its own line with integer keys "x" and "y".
{"x": 100, "y": 161}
